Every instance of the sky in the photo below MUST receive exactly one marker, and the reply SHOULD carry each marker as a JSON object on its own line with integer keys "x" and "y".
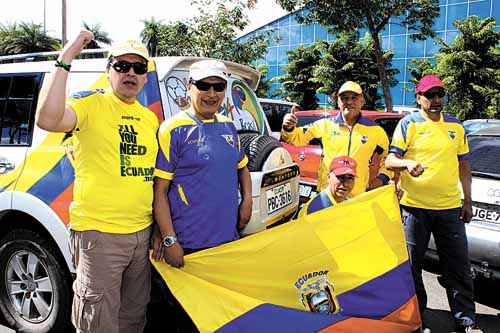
{"x": 121, "y": 19}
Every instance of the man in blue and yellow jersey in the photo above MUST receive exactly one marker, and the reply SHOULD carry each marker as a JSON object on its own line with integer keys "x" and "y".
{"x": 432, "y": 150}
{"x": 199, "y": 167}
{"x": 111, "y": 213}
{"x": 341, "y": 182}
{"x": 348, "y": 133}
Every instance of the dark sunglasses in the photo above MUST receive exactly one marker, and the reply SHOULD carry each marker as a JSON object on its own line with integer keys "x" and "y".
{"x": 123, "y": 66}
{"x": 431, "y": 95}
{"x": 205, "y": 86}
{"x": 346, "y": 178}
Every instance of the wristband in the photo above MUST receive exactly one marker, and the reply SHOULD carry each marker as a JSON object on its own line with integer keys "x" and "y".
{"x": 60, "y": 63}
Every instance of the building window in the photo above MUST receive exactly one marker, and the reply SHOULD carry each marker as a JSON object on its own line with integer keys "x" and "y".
{"x": 440, "y": 21}
{"x": 456, "y": 12}
{"x": 398, "y": 45}
{"x": 480, "y": 8}
{"x": 308, "y": 34}
{"x": 295, "y": 35}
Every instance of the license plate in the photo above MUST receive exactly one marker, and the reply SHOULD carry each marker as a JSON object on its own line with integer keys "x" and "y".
{"x": 305, "y": 190}
{"x": 278, "y": 197}
{"x": 485, "y": 215}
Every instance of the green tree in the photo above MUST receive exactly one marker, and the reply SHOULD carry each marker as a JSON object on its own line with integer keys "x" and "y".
{"x": 470, "y": 69}
{"x": 374, "y": 15}
{"x": 150, "y": 35}
{"x": 349, "y": 58}
{"x": 100, "y": 36}
{"x": 212, "y": 33}
{"x": 25, "y": 37}
{"x": 298, "y": 83}
{"x": 264, "y": 84}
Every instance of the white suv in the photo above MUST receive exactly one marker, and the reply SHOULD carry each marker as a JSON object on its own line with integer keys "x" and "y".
{"x": 36, "y": 177}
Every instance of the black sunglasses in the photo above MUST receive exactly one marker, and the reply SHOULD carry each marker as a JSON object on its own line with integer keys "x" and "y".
{"x": 205, "y": 86}
{"x": 123, "y": 66}
{"x": 431, "y": 95}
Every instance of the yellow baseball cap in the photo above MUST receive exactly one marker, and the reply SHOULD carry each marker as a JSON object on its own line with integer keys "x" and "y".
{"x": 129, "y": 47}
{"x": 352, "y": 87}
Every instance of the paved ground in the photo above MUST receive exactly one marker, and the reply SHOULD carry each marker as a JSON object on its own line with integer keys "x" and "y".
{"x": 438, "y": 318}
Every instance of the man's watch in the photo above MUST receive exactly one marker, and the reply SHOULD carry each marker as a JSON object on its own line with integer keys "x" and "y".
{"x": 168, "y": 241}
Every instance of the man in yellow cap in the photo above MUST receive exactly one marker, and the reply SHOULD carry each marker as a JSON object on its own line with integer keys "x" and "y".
{"x": 111, "y": 212}
{"x": 348, "y": 133}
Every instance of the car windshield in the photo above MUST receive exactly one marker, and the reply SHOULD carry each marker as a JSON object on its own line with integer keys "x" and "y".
{"x": 484, "y": 152}
{"x": 275, "y": 113}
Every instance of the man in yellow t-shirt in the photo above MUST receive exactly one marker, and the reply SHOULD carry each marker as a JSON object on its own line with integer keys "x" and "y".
{"x": 346, "y": 134}
{"x": 432, "y": 150}
{"x": 111, "y": 213}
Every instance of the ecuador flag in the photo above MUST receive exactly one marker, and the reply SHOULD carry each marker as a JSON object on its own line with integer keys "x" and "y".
{"x": 342, "y": 269}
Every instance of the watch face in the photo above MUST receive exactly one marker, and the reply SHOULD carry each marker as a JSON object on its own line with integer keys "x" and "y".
{"x": 169, "y": 241}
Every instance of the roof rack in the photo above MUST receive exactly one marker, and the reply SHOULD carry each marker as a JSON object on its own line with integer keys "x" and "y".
{"x": 44, "y": 56}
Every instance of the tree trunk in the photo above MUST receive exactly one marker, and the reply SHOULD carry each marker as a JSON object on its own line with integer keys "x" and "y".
{"x": 381, "y": 72}
{"x": 380, "y": 63}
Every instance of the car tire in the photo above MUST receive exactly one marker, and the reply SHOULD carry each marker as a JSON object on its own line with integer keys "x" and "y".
{"x": 257, "y": 148}
{"x": 33, "y": 282}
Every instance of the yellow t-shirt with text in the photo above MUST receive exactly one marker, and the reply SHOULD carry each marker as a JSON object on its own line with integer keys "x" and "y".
{"x": 115, "y": 150}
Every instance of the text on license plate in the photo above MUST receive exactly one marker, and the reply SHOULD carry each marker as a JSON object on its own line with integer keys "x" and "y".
{"x": 305, "y": 190}
{"x": 485, "y": 215}
{"x": 278, "y": 197}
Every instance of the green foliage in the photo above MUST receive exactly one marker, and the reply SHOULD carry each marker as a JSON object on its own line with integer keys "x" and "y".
{"x": 350, "y": 59}
{"x": 324, "y": 66}
{"x": 264, "y": 84}
{"x": 297, "y": 84}
{"x": 348, "y": 15}
{"x": 470, "y": 69}
{"x": 212, "y": 33}
{"x": 25, "y": 37}
{"x": 150, "y": 35}
{"x": 100, "y": 36}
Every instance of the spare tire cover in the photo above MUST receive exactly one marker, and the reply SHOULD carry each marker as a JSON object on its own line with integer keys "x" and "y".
{"x": 257, "y": 148}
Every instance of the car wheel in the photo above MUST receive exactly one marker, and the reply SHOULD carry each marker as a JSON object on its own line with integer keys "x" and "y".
{"x": 35, "y": 293}
{"x": 258, "y": 148}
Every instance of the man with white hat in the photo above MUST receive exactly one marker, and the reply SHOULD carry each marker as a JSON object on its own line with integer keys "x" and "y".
{"x": 199, "y": 167}
{"x": 111, "y": 215}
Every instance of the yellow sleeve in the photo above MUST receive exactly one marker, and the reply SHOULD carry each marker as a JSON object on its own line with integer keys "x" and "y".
{"x": 83, "y": 103}
{"x": 400, "y": 138}
{"x": 383, "y": 142}
{"x": 301, "y": 136}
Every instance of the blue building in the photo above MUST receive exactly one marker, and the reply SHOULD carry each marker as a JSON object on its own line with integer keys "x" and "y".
{"x": 395, "y": 36}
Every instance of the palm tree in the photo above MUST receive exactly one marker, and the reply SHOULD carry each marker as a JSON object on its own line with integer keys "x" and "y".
{"x": 100, "y": 36}
{"x": 26, "y": 38}
{"x": 150, "y": 35}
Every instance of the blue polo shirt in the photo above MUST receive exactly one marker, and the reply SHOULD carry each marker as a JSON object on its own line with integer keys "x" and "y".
{"x": 322, "y": 200}
{"x": 201, "y": 158}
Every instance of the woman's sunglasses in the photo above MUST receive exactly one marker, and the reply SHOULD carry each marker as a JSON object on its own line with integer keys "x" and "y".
{"x": 205, "y": 86}
{"x": 123, "y": 66}
{"x": 430, "y": 95}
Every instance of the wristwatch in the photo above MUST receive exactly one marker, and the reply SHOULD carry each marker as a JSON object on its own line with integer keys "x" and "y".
{"x": 168, "y": 241}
